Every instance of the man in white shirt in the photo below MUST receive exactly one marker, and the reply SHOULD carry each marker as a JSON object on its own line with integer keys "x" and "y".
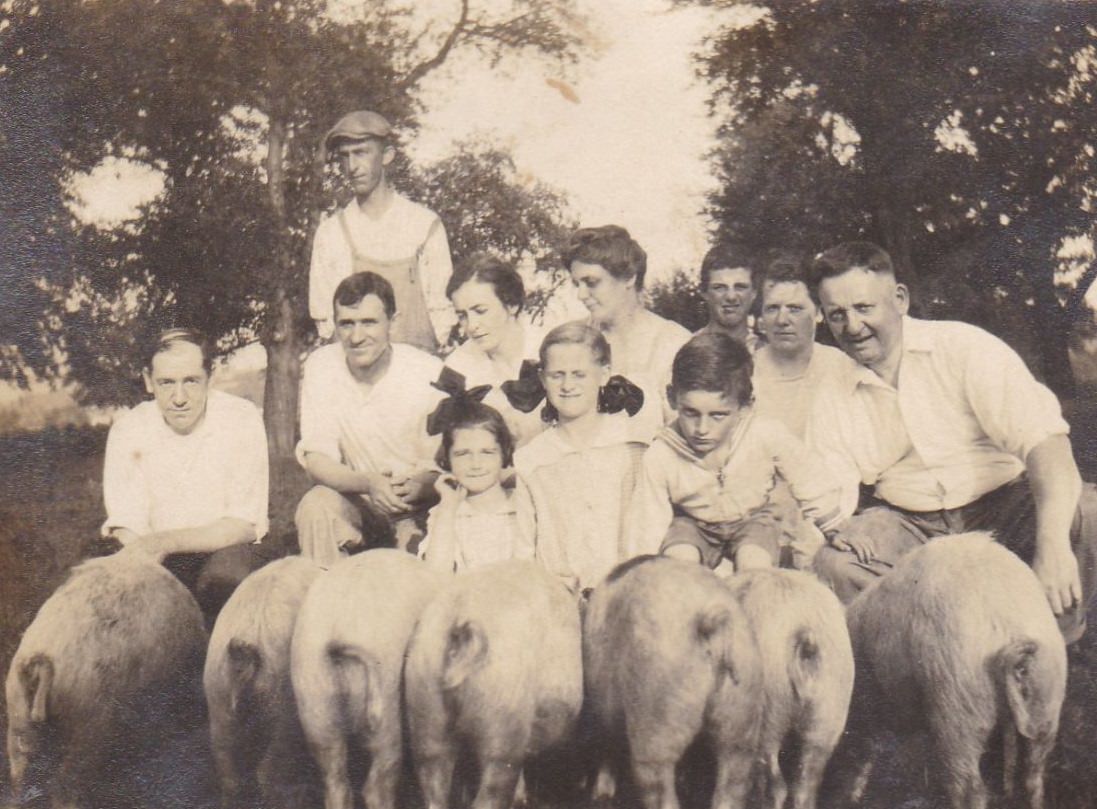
{"x": 953, "y": 432}
{"x": 788, "y": 369}
{"x": 185, "y": 475}
{"x": 381, "y": 231}
{"x": 729, "y": 285}
{"x": 364, "y": 405}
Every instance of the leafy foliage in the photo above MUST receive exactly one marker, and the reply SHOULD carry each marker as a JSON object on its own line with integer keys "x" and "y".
{"x": 230, "y": 100}
{"x": 956, "y": 135}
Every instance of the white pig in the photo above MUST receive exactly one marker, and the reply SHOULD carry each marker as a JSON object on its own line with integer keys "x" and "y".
{"x": 669, "y": 655}
{"x": 346, "y": 662}
{"x": 253, "y": 719}
{"x": 114, "y": 648}
{"x": 958, "y": 640}
{"x": 494, "y": 667}
{"x": 808, "y": 674}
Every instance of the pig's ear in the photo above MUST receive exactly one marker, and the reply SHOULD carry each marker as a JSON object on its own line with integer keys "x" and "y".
{"x": 37, "y": 681}
{"x": 466, "y": 652}
{"x": 712, "y": 628}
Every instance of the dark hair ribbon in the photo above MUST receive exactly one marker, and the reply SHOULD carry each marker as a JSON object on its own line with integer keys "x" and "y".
{"x": 449, "y": 409}
{"x": 525, "y": 392}
{"x": 620, "y": 394}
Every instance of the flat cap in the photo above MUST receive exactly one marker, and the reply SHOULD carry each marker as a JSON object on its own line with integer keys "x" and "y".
{"x": 357, "y": 125}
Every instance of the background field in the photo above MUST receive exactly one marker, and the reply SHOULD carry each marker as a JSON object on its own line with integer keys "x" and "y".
{"x": 52, "y": 503}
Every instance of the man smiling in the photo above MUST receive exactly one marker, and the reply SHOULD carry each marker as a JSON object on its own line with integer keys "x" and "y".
{"x": 381, "y": 231}
{"x": 729, "y": 285}
{"x": 364, "y": 404}
{"x": 953, "y": 432}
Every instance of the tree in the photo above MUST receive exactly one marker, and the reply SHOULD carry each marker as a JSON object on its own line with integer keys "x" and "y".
{"x": 230, "y": 101}
{"x": 954, "y": 134}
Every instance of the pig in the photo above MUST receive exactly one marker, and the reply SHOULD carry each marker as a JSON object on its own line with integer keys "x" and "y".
{"x": 494, "y": 667}
{"x": 252, "y": 714}
{"x": 117, "y": 646}
{"x": 959, "y": 641}
{"x": 346, "y": 664}
{"x": 669, "y": 655}
{"x": 807, "y": 664}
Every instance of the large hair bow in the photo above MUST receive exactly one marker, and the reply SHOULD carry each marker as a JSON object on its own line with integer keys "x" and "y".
{"x": 526, "y": 392}
{"x": 450, "y": 408}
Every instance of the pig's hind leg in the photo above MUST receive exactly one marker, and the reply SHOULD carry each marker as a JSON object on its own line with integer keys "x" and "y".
{"x": 959, "y": 749}
{"x": 386, "y": 760}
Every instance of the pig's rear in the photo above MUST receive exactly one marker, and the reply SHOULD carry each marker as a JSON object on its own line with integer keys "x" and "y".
{"x": 246, "y": 679}
{"x": 669, "y": 655}
{"x": 958, "y": 640}
{"x": 111, "y": 657}
{"x": 494, "y": 664}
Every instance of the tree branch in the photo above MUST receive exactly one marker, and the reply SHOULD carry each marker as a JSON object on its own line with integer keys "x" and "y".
{"x": 423, "y": 68}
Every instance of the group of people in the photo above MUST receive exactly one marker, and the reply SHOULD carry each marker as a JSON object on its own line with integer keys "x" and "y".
{"x": 746, "y": 444}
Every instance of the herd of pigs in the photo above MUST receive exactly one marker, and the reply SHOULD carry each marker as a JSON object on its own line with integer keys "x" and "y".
{"x": 382, "y": 656}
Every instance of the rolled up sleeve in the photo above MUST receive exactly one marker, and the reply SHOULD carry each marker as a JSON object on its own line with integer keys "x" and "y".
{"x": 319, "y": 420}
{"x": 826, "y": 439}
{"x": 248, "y": 498}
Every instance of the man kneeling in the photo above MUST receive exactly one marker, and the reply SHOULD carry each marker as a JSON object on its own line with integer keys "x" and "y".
{"x": 186, "y": 474}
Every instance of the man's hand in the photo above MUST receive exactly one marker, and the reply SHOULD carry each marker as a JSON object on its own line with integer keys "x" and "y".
{"x": 383, "y": 496}
{"x": 853, "y": 542}
{"x": 414, "y": 488}
{"x": 145, "y": 545}
{"x": 1057, "y": 569}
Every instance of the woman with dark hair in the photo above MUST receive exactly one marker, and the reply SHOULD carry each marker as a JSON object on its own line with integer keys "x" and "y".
{"x": 488, "y": 294}
{"x": 608, "y": 268}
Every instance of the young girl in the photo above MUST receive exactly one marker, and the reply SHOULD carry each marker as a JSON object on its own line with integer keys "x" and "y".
{"x": 575, "y": 480}
{"x": 475, "y": 522}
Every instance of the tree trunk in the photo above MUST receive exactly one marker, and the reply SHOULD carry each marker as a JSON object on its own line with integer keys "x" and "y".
{"x": 281, "y": 387}
{"x": 281, "y": 338}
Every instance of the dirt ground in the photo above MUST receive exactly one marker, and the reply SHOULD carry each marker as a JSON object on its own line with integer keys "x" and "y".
{"x": 52, "y": 503}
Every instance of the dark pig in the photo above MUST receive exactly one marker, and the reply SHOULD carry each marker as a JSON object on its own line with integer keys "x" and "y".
{"x": 669, "y": 655}
{"x": 807, "y": 665}
{"x": 494, "y": 667}
{"x": 108, "y": 656}
{"x": 958, "y": 641}
{"x": 253, "y": 718}
{"x": 346, "y": 662}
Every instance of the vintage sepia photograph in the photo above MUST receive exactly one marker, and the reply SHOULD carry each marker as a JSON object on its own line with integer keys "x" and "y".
{"x": 558, "y": 404}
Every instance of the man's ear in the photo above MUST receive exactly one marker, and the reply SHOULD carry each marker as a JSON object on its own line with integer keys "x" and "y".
{"x": 672, "y": 397}
{"x": 388, "y": 155}
{"x": 145, "y": 375}
{"x": 902, "y": 298}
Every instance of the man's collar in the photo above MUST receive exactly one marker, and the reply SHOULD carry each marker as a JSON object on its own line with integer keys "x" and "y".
{"x": 917, "y": 338}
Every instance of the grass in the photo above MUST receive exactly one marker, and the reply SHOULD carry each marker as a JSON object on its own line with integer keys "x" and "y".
{"x": 53, "y": 503}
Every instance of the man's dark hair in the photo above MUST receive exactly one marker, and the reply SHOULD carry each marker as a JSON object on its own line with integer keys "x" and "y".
{"x": 488, "y": 269}
{"x": 169, "y": 337}
{"x": 842, "y": 258}
{"x": 714, "y": 362}
{"x": 610, "y": 247}
{"x": 730, "y": 256}
{"x": 353, "y": 289}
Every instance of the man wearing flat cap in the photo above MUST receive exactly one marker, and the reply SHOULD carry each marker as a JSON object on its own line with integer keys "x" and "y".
{"x": 383, "y": 232}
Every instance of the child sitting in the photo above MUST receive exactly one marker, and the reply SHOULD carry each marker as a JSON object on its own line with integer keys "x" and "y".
{"x": 475, "y": 522}
{"x": 707, "y": 479}
{"x": 576, "y": 479}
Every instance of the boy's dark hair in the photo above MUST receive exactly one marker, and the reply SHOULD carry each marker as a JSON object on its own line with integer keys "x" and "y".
{"x": 610, "y": 247}
{"x": 477, "y": 414}
{"x": 488, "y": 269}
{"x": 169, "y": 337}
{"x": 354, "y": 288}
{"x": 714, "y": 362}
{"x": 729, "y": 256}
{"x": 844, "y": 257}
